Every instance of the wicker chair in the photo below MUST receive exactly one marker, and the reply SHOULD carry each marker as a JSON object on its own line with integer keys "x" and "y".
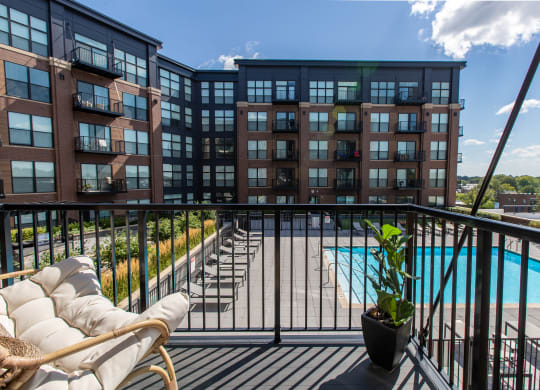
{"x": 85, "y": 342}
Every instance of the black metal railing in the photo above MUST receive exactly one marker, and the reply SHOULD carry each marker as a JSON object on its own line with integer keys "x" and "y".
{"x": 459, "y": 158}
{"x": 348, "y": 126}
{"x": 99, "y": 145}
{"x": 285, "y": 98}
{"x": 461, "y": 104}
{"x": 410, "y": 99}
{"x": 346, "y": 184}
{"x": 290, "y": 268}
{"x": 284, "y": 155}
{"x": 285, "y": 126}
{"x": 97, "y": 104}
{"x": 409, "y": 156}
{"x": 350, "y": 97}
{"x": 402, "y": 184}
{"x": 347, "y": 155}
{"x": 409, "y": 127}
{"x": 460, "y": 131}
{"x": 96, "y": 61}
{"x": 288, "y": 183}
{"x": 106, "y": 185}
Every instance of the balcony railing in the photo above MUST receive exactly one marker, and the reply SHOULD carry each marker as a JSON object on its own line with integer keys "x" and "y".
{"x": 408, "y": 184}
{"x": 97, "y": 104}
{"x": 285, "y": 126}
{"x": 409, "y": 156}
{"x": 461, "y": 104}
{"x": 459, "y": 158}
{"x": 287, "y": 184}
{"x": 348, "y": 127}
{"x": 346, "y": 185}
{"x": 347, "y": 155}
{"x": 350, "y": 98}
{"x": 107, "y": 185}
{"x": 411, "y": 127}
{"x": 408, "y": 99}
{"x": 284, "y": 155}
{"x": 479, "y": 333}
{"x": 96, "y": 61}
{"x": 2, "y": 193}
{"x": 285, "y": 98}
{"x": 460, "y": 131}
{"x": 99, "y": 145}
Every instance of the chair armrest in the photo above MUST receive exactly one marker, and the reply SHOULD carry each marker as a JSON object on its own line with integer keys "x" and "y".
{"x": 16, "y": 274}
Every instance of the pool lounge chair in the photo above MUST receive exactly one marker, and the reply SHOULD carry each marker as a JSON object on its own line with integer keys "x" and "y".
{"x": 357, "y": 227}
{"x": 237, "y": 252}
{"x": 240, "y": 244}
{"x": 244, "y": 233}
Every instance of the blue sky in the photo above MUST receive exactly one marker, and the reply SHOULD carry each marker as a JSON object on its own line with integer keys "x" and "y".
{"x": 497, "y": 39}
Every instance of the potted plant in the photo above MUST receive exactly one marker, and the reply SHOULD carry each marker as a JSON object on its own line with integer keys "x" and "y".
{"x": 387, "y": 326}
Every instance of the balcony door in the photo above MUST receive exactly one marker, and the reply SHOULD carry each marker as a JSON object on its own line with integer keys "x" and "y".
{"x": 405, "y": 177}
{"x": 95, "y": 137}
{"x": 96, "y": 177}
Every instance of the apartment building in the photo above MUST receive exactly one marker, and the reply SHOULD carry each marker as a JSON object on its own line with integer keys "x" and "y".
{"x": 91, "y": 112}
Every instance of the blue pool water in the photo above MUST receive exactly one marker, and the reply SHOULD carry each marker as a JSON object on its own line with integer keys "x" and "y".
{"x": 511, "y": 275}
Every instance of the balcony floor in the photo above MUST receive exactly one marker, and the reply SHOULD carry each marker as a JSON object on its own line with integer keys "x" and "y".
{"x": 299, "y": 362}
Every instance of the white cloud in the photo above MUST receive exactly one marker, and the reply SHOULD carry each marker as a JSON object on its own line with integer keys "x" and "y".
{"x": 472, "y": 141}
{"x": 527, "y": 151}
{"x": 496, "y": 136}
{"x": 459, "y": 25}
{"x": 227, "y": 60}
{"x": 527, "y": 105}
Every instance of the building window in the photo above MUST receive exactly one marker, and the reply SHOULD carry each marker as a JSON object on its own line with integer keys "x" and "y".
{"x": 28, "y": 83}
{"x": 321, "y": 91}
{"x": 438, "y": 150}
{"x": 437, "y": 177}
{"x": 257, "y": 177}
{"x": 285, "y": 121}
{"x": 133, "y": 68}
{"x": 206, "y": 176}
{"x": 318, "y": 150}
{"x": 345, "y": 149}
{"x": 224, "y": 148}
{"x": 94, "y": 137}
{"x": 379, "y": 122}
{"x": 347, "y": 90}
{"x": 440, "y": 92}
{"x": 382, "y": 92}
{"x": 345, "y": 178}
{"x": 285, "y": 176}
{"x": 207, "y": 197}
{"x": 171, "y": 145}
{"x": 257, "y": 150}
{"x": 135, "y": 107}
{"x": 346, "y": 121}
{"x": 189, "y": 147}
{"x": 22, "y": 31}
{"x": 257, "y": 121}
{"x": 378, "y": 177}
{"x": 285, "y": 90}
{"x": 406, "y": 150}
{"x": 137, "y": 177}
{"x": 405, "y": 199}
{"x": 318, "y": 177}
{"x": 224, "y": 175}
{"x": 377, "y": 199}
{"x": 205, "y": 143}
{"x": 170, "y": 83}
{"x": 205, "y": 120}
{"x": 189, "y": 176}
{"x": 224, "y": 120}
{"x": 406, "y": 177}
{"x": 95, "y": 96}
{"x": 257, "y": 199}
{"x": 378, "y": 150}
{"x": 32, "y": 176}
{"x": 318, "y": 121}
{"x": 224, "y": 197}
{"x": 436, "y": 201}
{"x": 259, "y": 91}
{"x": 189, "y": 197}
{"x": 439, "y": 123}
{"x": 345, "y": 199}
{"x": 187, "y": 89}
{"x": 314, "y": 199}
{"x": 172, "y": 198}
{"x": 407, "y": 122}
{"x": 96, "y": 177}
{"x": 188, "y": 117}
{"x": 172, "y": 175}
{"x": 136, "y": 142}
{"x": 408, "y": 90}
{"x": 30, "y": 130}
{"x": 285, "y": 150}
{"x": 205, "y": 92}
{"x": 170, "y": 114}
{"x": 223, "y": 92}
{"x": 285, "y": 199}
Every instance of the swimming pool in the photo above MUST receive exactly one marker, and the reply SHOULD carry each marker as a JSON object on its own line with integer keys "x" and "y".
{"x": 510, "y": 286}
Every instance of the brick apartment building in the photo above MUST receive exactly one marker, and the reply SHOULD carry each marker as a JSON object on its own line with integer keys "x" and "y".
{"x": 91, "y": 112}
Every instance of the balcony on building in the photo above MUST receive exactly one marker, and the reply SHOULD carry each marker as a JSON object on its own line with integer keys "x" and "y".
{"x": 2, "y": 193}
{"x": 347, "y": 155}
{"x": 408, "y": 184}
{"x": 96, "y": 104}
{"x": 101, "y": 186}
{"x": 461, "y": 104}
{"x": 285, "y": 126}
{"x": 348, "y": 184}
{"x": 411, "y": 127}
{"x": 409, "y": 98}
{"x": 285, "y": 97}
{"x": 459, "y": 158}
{"x": 99, "y": 145}
{"x": 409, "y": 156}
{"x": 96, "y": 61}
{"x": 348, "y": 126}
{"x": 285, "y": 184}
{"x": 460, "y": 131}
{"x": 350, "y": 97}
{"x": 285, "y": 155}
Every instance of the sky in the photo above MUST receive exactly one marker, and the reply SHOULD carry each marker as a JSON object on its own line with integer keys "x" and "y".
{"x": 496, "y": 38}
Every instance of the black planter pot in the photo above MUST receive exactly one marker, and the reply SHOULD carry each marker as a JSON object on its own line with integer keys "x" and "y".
{"x": 385, "y": 345}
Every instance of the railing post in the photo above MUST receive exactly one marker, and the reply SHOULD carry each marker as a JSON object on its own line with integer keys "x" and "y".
{"x": 480, "y": 345}
{"x": 143, "y": 261}
{"x": 6, "y": 251}
{"x": 409, "y": 255}
{"x": 277, "y": 272}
